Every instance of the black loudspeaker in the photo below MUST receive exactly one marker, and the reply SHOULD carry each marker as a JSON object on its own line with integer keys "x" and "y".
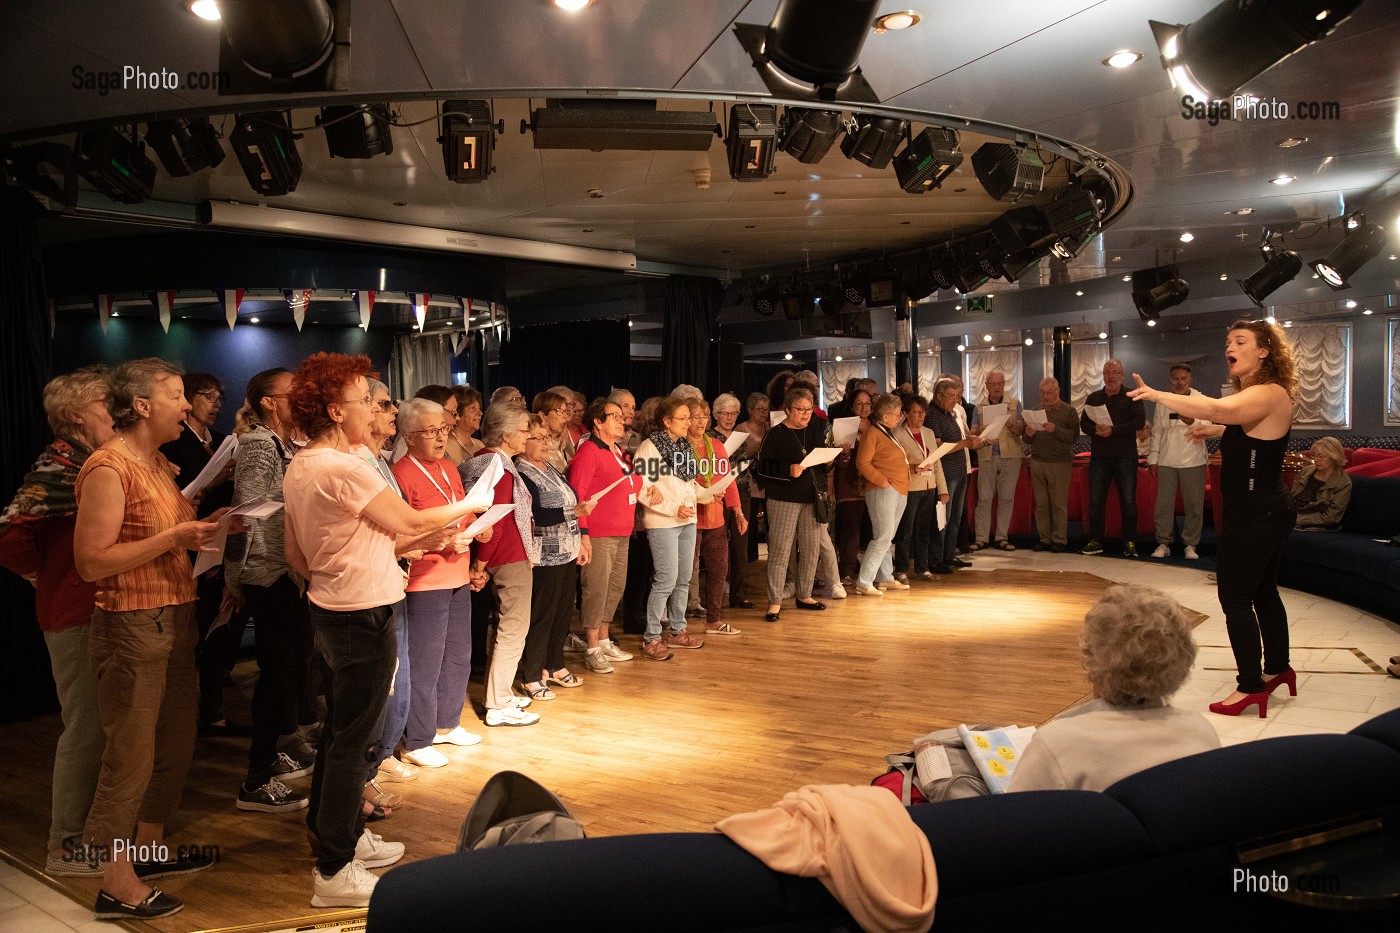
{"x": 727, "y": 369}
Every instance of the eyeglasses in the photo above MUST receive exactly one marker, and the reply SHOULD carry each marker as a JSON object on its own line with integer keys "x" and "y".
{"x": 537, "y": 437}
{"x": 799, "y": 411}
{"x": 386, "y": 404}
{"x": 432, "y": 432}
{"x": 213, "y": 395}
{"x": 367, "y": 401}
{"x": 612, "y": 415}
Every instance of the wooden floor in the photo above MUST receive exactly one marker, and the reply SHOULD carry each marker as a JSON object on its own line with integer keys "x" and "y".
{"x": 816, "y": 698}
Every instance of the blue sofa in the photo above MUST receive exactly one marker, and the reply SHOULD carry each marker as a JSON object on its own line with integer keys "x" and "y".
{"x": 1351, "y": 565}
{"x": 1155, "y": 851}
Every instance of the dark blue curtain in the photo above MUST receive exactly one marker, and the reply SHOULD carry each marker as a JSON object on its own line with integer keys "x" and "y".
{"x": 691, "y": 305}
{"x": 590, "y": 356}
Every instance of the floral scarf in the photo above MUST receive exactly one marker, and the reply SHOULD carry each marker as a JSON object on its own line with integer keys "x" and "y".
{"x": 678, "y": 454}
{"x": 47, "y": 490}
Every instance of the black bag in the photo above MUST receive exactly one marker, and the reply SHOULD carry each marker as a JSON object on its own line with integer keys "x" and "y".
{"x": 823, "y": 509}
{"x": 512, "y": 810}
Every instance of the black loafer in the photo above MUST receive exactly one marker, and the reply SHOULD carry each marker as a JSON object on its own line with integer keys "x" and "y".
{"x": 817, "y": 606}
{"x": 742, "y": 604}
{"x": 184, "y": 865}
{"x": 156, "y": 904}
{"x": 959, "y": 562}
{"x": 770, "y": 617}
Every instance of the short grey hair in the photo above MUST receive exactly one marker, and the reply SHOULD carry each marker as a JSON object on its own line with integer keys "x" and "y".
{"x": 132, "y": 380}
{"x": 756, "y": 398}
{"x": 884, "y": 403}
{"x": 725, "y": 402}
{"x": 503, "y": 392}
{"x": 67, "y": 395}
{"x": 686, "y": 391}
{"x": 945, "y": 382}
{"x": 616, "y": 395}
{"x": 1049, "y": 381}
{"x": 415, "y": 411}
{"x": 376, "y": 385}
{"x": 1136, "y": 646}
{"x": 500, "y": 419}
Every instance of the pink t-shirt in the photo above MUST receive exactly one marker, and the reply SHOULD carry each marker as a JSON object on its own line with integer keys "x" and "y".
{"x": 350, "y": 557}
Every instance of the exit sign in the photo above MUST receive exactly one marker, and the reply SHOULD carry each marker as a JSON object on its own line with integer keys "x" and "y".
{"x": 979, "y": 303}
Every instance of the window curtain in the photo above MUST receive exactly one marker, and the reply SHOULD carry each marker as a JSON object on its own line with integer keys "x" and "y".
{"x": 978, "y": 363}
{"x": 588, "y": 356}
{"x": 1392, "y": 404}
{"x": 1322, "y": 357}
{"x": 1086, "y": 370}
{"x": 419, "y": 361}
{"x": 691, "y": 306}
{"x": 834, "y": 376}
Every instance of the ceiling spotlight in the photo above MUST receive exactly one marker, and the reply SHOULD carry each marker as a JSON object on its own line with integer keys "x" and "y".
{"x": 1281, "y": 180}
{"x": 1224, "y": 277}
{"x": 1236, "y": 42}
{"x": 962, "y": 348}
{"x": 838, "y": 358}
{"x": 186, "y": 145}
{"x": 1152, "y": 322}
{"x": 354, "y": 131}
{"x": 1127, "y": 278}
{"x": 1243, "y": 211}
{"x": 1008, "y": 173}
{"x": 204, "y": 9}
{"x": 572, "y": 6}
{"x": 1187, "y": 237}
{"x": 808, "y": 134}
{"x": 1155, "y": 290}
{"x": 766, "y": 299}
{"x": 1287, "y": 323}
{"x": 1280, "y": 268}
{"x": 116, "y": 314}
{"x": 1030, "y": 342}
{"x": 1271, "y": 319}
{"x": 1079, "y": 293}
{"x": 265, "y": 148}
{"x": 811, "y": 50}
{"x": 1351, "y": 303}
{"x": 1357, "y": 248}
{"x": 787, "y": 356}
{"x": 1103, "y": 335}
{"x": 927, "y": 159}
{"x": 1366, "y": 311}
{"x": 752, "y": 141}
{"x": 467, "y": 140}
{"x": 986, "y": 338}
{"x": 901, "y": 20}
{"x": 1123, "y": 59}
{"x": 874, "y": 140}
{"x": 115, "y": 165}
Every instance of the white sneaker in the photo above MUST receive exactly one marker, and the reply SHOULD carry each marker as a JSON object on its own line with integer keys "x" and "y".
{"x": 349, "y": 887}
{"x": 612, "y": 652}
{"x": 1191, "y": 553}
{"x": 458, "y": 736}
{"x": 597, "y": 662}
{"x": 868, "y": 590}
{"x": 374, "y": 852}
{"x": 1162, "y": 551}
{"x": 425, "y": 757}
{"x": 511, "y": 716}
{"x": 575, "y": 645}
{"x": 838, "y": 591}
{"x": 893, "y": 585}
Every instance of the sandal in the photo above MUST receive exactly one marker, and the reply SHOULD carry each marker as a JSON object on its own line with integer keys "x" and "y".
{"x": 537, "y": 691}
{"x": 377, "y": 796}
{"x": 566, "y": 679}
{"x": 1004, "y": 545}
{"x": 977, "y": 546}
{"x": 723, "y": 628}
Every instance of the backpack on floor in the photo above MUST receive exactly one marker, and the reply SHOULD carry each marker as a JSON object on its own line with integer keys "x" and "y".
{"x": 931, "y": 784}
{"x": 513, "y": 810}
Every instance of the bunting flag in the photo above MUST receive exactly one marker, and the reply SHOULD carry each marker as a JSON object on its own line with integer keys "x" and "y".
{"x": 420, "y": 307}
{"x": 364, "y": 299}
{"x": 232, "y": 300}
{"x": 466, "y": 314}
{"x": 164, "y": 302}
{"x": 53, "y": 318}
{"x": 299, "y": 300}
{"x": 104, "y": 309}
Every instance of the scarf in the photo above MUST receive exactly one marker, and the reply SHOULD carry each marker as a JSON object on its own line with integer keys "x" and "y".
{"x": 706, "y": 477}
{"x": 677, "y": 455}
{"x": 47, "y": 490}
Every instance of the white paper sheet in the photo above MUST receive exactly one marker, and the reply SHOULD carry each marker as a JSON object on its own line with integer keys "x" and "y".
{"x": 942, "y": 511}
{"x": 845, "y": 430}
{"x": 594, "y": 499}
{"x": 776, "y": 417}
{"x": 1099, "y": 414}
{"x": 736, "y": 439}
{"x": 820, "y": 456}
{"x": 224, "y": 616}
{"x": 1034, "y": 419}
{"x": 216, "y": 463}
{"x": 717, "y": 490}
{"x": 490, "y": 517}
{"x": 937, "y": 454}
{"x": 483, "y": 491}
{"x": 253, "y": 508}
{"x": 991, "y": 430}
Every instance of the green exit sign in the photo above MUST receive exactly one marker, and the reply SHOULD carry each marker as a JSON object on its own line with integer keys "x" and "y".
{"x": 979, "y": 303}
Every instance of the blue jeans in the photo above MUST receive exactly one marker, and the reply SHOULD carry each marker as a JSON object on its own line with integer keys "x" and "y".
{"x": 672, "y": 558}
{"x": 885, "y": 507}
{"x": 358, "y": 649}
{"x": 945, "y": 542}
{"x": 1122, "y": 472}
{"x": 440, "y": 652}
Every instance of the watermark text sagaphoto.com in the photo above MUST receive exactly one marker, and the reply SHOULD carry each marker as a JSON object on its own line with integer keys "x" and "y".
{"x": 125, "y": 849}
{"x": 1245, "y": 107}
{"x": 137, "y": 78}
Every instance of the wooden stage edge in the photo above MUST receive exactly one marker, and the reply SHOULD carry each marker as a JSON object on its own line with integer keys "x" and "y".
{"x": 817, "y": 698}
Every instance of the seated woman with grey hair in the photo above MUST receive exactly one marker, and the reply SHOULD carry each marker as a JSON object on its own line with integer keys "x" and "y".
{"x": 1137, "y": 650}
{"x": 1322, "y": 490}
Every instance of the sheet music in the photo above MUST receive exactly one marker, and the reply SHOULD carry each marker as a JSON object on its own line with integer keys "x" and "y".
{"x": 1099, "y": 414}
{"x": 253, "y": 508}
{"x": 216, "y": 463}
{"x": 483, "y": 491}
{"x": 490, "y": 517}
{"x": 593, "y": 499}
{"x": 942, "y": 510}
{"x": 1035, "y": 418}
{"x": 776, "y": 417}
{"x": 938, "y": 453}
{"x": 845, "y": 430}
{"x": 736, "y": 439}
{"x": 992, "y": 428}
{"x": 821, "y": 456}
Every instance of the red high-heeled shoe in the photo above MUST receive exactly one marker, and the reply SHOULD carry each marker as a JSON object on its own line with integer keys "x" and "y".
{"x": 1289, "y": 676}
{"x": 1234, "y": 709}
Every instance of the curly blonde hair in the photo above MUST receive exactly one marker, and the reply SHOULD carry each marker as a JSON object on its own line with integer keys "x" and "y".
{"x": 1136, "y": 646}
{"x": 1278, "y": 366}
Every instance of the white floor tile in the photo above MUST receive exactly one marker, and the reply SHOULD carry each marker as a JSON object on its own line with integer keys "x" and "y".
{"x": 1276, "y": 729}
{"x": 1319, "y": 699}
{"x": 31, "y": 919}
{"x": 1333, "y": 720}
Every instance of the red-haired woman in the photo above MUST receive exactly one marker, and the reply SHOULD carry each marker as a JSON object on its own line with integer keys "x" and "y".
{"x": 340, "y": 526}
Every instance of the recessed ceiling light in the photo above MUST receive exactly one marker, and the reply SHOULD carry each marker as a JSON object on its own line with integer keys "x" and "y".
{"x": 1351, "y": 303}
{"x": 1243, "y": 211}
{"x": 1123, "y": 59}
{"x": 252, "y": 320}
{"x": 587, "y": 229}
{"x": 987, "y": 338}
{"x": 116, "y": 314}
{"x": 1287, "y": 323}
{"x": 780, "y": 192}
{"x": 1392, "y": 257}
{"x": 1271, "y": 319}
{"x": 1080, "y": 293}
{"x": 957, "y": 307}
{"x": 1103, "y": 335}
{"x": 1281, "y": 180}
{"x": 750, "y": 226}
{"x": 1151, "y": 323}
{"x": 787, "y": 356}
{"x": 1187, "y": 237}
{"x": 838, "y": 359}
{"x": 631, "y": 323}
{"x": 1127, "y": 278}
{"x": 901, "y": 20}
{"x": 572, "y": 6}
{"x": 1117, "y": 258}
{"x": 1224, "y": 277}
{"x": 1292, "y": 141}
{"x": 962, "y": 348}
{"x": 1367, "y": 311}
{"x": 205, "y": 9}
{"x": 1030, "y": 342}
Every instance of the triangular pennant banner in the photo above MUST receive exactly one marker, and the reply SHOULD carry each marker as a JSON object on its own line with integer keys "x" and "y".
{"x": 232, "y": 300}
{"x": 466, "y": 314}
{"x": 365, "y": 300}
{"x": 420, "y": 307}
{"x": 164, "y": 302}
{"x": 104, "y": 309}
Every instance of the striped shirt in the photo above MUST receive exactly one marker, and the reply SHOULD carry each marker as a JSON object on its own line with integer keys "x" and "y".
{"x": 153, "y": 505}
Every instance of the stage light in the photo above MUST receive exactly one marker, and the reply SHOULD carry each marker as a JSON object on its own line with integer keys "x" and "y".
{"x": 810, "y": 49}
{"x": 943, "y": 268}
{"x": 1022, "y": 235}
{"x": 1236, "y": 42}
{"x": 874, "y": 140}
{"x": 766, "y": 299}
{"x": 916, "y": 279}
{"x": 1075, "y": 217}
{"x": 927, "y": 158}
{"x": 115, "y": 165}
{"x": 1151, "y": 303}
{"x": 1357, "y": 248}
{"x": 265, "y": 148}
{"x": 207, "y": 10}
{"x": 186, "y": 145}
{"x": 357, "y": 132}
{"x": 1280, "y": 267}
{"x": 797, "y": 302}
{"x": 973, "y": 262}
{"x": 752, "y": 141}
{"x": 466, "y": 140}
{"x": 1008, "y": 173}
{"x": 807, "y": 134}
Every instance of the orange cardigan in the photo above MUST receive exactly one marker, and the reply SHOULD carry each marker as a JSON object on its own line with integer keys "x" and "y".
{"x": 880, "y": 459}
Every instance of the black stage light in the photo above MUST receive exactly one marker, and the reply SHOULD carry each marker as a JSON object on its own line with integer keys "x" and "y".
{"x": 1280, "y": 266}
{"x": 1360, "y": 245}
{"x": 916, "y": 279}
{"x": 874, "y": 140}
{"x": 266, "y": 149}
{"x": 807, "y": 134}
{"x": 115, "y": 165}
{"x": 1022, "y": 235}
{"x": 186, "y": 145}
{"x": 467, "y": 140}
{"x": 1008, "y": 173}
{"x": 1155, "y": 290}
{"x": 1075, "y": 216}
{"x": 752, "y": 141}
{"x": 810, "y": 49}
{"x": 943, "y": 267}
{"x": 927, "y": 159}
{"x": 1237, "y": 41}
{"x": 797, "y": 302}
{"x": 357, "y": 132}
{"x": 975, "y": 262}
{"x": 766, "y": 299}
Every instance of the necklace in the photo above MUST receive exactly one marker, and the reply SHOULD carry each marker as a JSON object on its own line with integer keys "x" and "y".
{"x": 131, "y": 450}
